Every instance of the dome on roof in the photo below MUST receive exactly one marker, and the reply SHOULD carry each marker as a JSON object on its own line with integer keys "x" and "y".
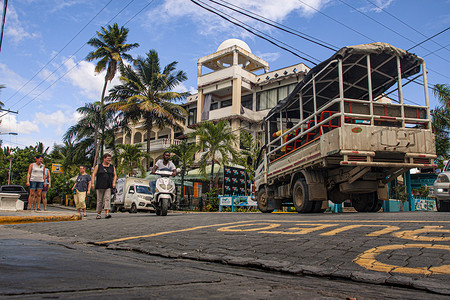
{"x": 233, "y": 42}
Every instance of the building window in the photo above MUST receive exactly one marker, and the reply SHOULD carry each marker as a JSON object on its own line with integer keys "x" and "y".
{"x": 214, "y": 106}
{"x": 225, "y": 103}
{"x": 268, "y": 99}
{"x": 192, "y": 119}
{"x": 247, "y": 101}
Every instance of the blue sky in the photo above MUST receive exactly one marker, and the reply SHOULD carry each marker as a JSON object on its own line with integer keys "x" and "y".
{"x": 36, "y": 32}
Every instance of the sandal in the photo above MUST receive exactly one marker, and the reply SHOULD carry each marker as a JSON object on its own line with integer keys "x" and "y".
{"x": 84, "y": 215}
{"x": 107, "y": 216}
{"x": 99, "y": 217}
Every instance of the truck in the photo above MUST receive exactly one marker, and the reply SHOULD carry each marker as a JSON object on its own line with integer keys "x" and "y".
{"x": 133, "y": 194}
{"x": 349, "y": 135}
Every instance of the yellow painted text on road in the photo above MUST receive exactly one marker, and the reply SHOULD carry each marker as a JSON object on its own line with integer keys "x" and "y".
{"x": 386, "y": 230}
{"x": 368, "y": 260}
{"x": 415, "y": 234}
{"x": 301, "y": 230}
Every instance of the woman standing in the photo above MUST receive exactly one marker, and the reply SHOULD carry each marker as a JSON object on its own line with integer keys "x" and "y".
{"x": 36, "y": 180}
{"x": 105, "y": 175}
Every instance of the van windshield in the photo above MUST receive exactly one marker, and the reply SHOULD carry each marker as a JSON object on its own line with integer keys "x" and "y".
{"x": 142, "y": 189}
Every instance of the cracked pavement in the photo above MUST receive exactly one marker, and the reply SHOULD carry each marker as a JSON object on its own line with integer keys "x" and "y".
{"x": 409, "y": 249}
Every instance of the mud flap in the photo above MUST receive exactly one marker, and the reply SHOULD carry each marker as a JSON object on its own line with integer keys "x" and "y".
{"x": 317, "y": 192}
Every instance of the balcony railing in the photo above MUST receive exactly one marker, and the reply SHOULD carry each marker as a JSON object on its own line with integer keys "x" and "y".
{"x": 159, "y": 144}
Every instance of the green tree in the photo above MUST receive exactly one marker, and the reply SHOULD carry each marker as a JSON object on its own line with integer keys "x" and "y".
{"x": 146, "y": 94}
{"x": 441, "y": 121}
{"x": 110, "y": 49}
{"x": 1, "y": 103}
{"x": 129, "y": 158}
{"x": 183, "y": 157}
{"x": 218, "y": 144}
{"x": 249, "y": 155}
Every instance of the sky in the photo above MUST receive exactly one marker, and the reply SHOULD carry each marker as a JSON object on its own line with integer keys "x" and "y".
{"x": 46, "y": 77}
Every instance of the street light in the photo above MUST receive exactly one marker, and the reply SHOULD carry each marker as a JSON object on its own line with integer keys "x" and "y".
{"x": 9, "y": 133}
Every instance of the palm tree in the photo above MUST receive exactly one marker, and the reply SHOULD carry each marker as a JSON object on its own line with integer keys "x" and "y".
{"x": 441, "y": 120}
{"x": 218, "y": 143}
{"x": 130, "y": 158}
{"x": 184, "y": 157}
{"x": 146, "y": 95}
{"x": 110, "y": 49}
{"x": 1, "y": 103}
{"x": 249, "y": 155}
{"x": 85, "y": 132}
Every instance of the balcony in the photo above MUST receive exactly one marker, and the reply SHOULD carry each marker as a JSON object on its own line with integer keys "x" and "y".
{"x": 159, "y": 144}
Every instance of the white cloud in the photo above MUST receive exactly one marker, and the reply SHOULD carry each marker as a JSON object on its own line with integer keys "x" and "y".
{"x": 58, "y": 120}
{"x": 208, "y": 23}
{"x": 14, "y": 28}
{"x": 181, "y": 88}
{"x": 90, "y": 84}
{"x": 378, "y": 7}
{"x": 9, "y": 123}
{"x": 270, "y": 56}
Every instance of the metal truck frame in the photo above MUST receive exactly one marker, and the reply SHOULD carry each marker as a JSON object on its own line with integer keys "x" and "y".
{"x": 349, "y": 139}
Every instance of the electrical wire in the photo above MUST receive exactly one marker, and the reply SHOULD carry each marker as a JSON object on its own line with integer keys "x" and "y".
{"x": 80, "y": 49}
{"x": 440, "y": 32}
{"x": 404, "y": 23}
{"x": 252, "y": 32}
{"x": 309, "y": 38}
{"x": 67, "y": 44}
{"x": 388, "y": 28}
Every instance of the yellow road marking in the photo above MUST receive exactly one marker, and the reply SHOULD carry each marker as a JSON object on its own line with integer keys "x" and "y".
{"x": 414, "y": 234}
{"x": 166, "y": 232}
{"x": 368, "y": 260}
{"x": 232, "y": 228}
{"x": 300, "y": 230}
{"x": 388, "y": 229}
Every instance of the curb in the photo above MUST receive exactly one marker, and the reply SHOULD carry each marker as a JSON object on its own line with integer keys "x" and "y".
{"x": 8, "y": 220}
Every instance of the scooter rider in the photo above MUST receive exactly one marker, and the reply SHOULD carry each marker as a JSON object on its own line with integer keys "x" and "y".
{"x": 164, "y": 164}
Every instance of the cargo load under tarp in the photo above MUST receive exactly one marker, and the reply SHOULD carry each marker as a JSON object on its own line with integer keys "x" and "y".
{"x": 384, "y": 74}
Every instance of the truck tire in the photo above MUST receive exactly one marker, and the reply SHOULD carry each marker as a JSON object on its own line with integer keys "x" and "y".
{"x": 263, "y": 204}
{"x": 164, "y": 206}
{"x": 113, "y": 208}
{"x": 300, "y": 197}
{"x": 158, "y": 212}
{"x": 442, "y": 206}
{"x": 133, "y": 209}
{"x": 377, "y": 203}
{"x": 317, "y": 207}
{"x": 361, "y": 204}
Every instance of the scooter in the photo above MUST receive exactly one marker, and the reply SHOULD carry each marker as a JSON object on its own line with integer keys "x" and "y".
{"x": 164, "y": 195}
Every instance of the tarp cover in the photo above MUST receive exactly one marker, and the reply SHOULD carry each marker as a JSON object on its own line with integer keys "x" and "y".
{"x": 384, "y": 72}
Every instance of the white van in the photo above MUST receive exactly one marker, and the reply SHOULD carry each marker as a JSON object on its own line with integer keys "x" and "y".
{"x": 133, "y": 194}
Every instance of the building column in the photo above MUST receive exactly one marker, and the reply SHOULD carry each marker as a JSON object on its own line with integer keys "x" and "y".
{"x": 172, "y": 136}
{"x": 133, "y": 131}
{"x": 235, "y": 126}
{"x": 236, "y": 96}
{"x": 200, "y": 103}
{"x": 123, "y": 136}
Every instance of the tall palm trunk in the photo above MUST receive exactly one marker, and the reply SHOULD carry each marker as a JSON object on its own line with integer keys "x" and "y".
{"x": 149, "y": 130}
{"x": 211, "y": 182}
{"x": 102, "y": 111}
{"x": 96, "y": 146}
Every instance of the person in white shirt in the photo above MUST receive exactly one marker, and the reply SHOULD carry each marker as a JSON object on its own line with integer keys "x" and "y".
{"x": 163, "y": 165}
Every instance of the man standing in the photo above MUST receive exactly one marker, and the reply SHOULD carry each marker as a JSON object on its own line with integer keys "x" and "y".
{"x": 105, "y": 177}
{"x": 82, "y": 188}
{"x": 163, "y": 165}
{"x": 35, "y": 180}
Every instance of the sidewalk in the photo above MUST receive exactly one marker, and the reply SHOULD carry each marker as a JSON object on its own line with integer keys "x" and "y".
{"x": 54, "y": 213}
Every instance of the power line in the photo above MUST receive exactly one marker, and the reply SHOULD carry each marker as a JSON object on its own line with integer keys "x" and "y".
{"x": 67, "y": 44}
{"x": 442, "y": 31}
{"x": 335, "y": 20}
{"x": 390, "y": 29}
{"x": 82, "y": 47}
{"x": 404, "y": 23}
{"x": 443, "y": 47}
{"x": 252, "y": 32}
{"x": 308, "y": 38}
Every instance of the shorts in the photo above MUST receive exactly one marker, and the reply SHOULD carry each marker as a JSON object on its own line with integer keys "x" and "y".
{"x": 35, "y": 185}
{"x": 45, "y": 188}
{"x": 80, "y": 199}
{"x": 103, "y": 199}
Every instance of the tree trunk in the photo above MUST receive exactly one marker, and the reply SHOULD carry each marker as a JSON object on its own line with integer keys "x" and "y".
{"x": 182, "y": 184}
{"x": 95, "y": 146}
{"x": 211, "y": 183}
{"x": 149, "y": 130}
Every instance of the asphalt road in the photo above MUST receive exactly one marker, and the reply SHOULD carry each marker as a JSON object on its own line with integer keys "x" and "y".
{"x": 230, "y": 255}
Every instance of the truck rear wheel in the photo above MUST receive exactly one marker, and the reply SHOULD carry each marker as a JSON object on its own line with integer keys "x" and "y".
{"x": 317, "y": 207}
{"x": 263, "y": 203}
{"x": 300, "y": 197}
{"x": 442, "y": 205}
{"x": 361, "y": 204}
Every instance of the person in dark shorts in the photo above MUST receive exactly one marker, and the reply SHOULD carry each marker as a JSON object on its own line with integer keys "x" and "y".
{"x": 35, "y": 180}
{"x": 105, "y": 179}
{"x": 82, "y": 189}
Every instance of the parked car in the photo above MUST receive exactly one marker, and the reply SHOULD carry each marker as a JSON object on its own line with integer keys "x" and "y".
{"x": 442, "y": 189}
{"x": 16, "y": 189}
